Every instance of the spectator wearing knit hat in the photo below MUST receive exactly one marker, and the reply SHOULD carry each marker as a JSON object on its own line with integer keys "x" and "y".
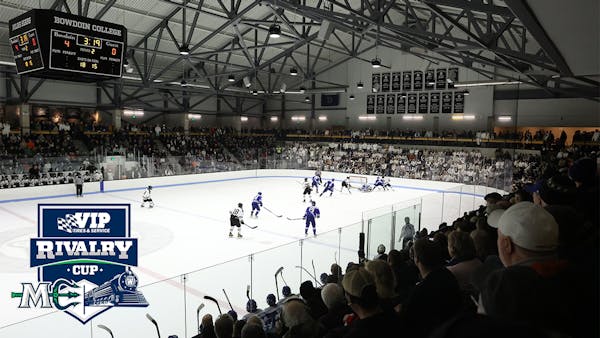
{"x": 361, "y": 294}
{"x": 437, "y": 297}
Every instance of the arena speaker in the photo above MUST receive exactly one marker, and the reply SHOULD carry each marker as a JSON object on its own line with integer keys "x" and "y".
{"x": 325, "y": 30}
{"x": 247, "y": 82}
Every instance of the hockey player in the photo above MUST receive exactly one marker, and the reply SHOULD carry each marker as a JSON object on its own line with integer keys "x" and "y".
{"x": 346, "y": 184}
{"x": 312, "y": 213}
{"x": 236, "y": 219}
{"x": 386, "y": 183}
{"x": 256, "y": 204}
{"x": 307, "y": 190}
{"x": 378, "y": 183}
{"x": 147, "y": 198}
{"x": 318, "y": 173}
{"x": 316, "y": 180}
{"x": 328, "y": 187}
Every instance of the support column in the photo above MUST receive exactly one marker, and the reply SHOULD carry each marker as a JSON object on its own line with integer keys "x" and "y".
{"x": 186, "y": 124}
{"x": 25, "y": 118}
{"x": 117, "y": 115}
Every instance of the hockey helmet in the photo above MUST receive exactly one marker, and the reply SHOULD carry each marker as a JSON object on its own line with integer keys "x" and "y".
{"x": 333, "y": 179}
{"x": 381, "y": 249}
{"x": 260, "y": 193}
{"x": 313, "y": 202}
{"x": 286, "y": 291}
{"x": 251, "y": 305}
{"x": 149, "y": 187}
{"x": 271, "y": 299}
{"x": 239, "y": 205}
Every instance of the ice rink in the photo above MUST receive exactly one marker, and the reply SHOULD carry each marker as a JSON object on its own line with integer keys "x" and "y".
{"x": 183, "y": 241}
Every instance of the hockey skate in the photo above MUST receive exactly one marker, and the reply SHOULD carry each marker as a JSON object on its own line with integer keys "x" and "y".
{"x": 230, "y": 234}
{"x": 240, "y": 235}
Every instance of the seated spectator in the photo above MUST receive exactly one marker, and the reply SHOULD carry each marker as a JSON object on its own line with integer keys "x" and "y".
{"x": 298, "y": 321}
{"x": 385, "y": 284}
{"x": 381, "y": 253}
{"x": 463, "y": 259}
{"x": 253, "y": 331}
{"x": 333, "y": 297}
{"x": 584, "y": 173}
{"x": 312, "y": 297}
{"x": 237, "y": 328}
{"x": 207, "y": 329}
{"x": 405, "y": 272}
{"x": 437, "y": 297}
{"x": 361, "y": 294}
{"x": 224, "y": 326}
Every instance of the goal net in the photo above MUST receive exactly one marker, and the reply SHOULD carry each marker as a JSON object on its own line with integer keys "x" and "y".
{"x": 357, "y": 181}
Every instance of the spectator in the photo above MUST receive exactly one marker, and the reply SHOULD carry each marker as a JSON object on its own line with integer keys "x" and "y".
{"x": 584, "y": 173}
{"x": 385, "y": 284}
{"x": 381, "y": 253}
{"x": 312, "y": 297}
{"x": 484, "y": 237}
{"x": 298, "y": 321}
{"x": 270, "y": 315}
{"x": 333, "y": 297}
{"x": 237, "y": 328}
{"x": 361, "y": 295}
{"x": 463, "y": 259}
{"x": 437, "y": 297}
{"x": 405, "y": 272}
{"x": 251, "y": 308}
{"x": 207, "y": 329}
{"x": 224, "y": 326}
{"x": 253, "y": 331}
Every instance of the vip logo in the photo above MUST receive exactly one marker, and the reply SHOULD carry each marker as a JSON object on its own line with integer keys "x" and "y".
{"x": 83, "y": 254}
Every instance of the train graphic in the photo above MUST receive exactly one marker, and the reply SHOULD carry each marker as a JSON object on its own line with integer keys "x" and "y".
{"x": 121, "y": 290}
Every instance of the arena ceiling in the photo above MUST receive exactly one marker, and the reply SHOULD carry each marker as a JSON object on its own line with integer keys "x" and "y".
{"x": 537, "y": 42}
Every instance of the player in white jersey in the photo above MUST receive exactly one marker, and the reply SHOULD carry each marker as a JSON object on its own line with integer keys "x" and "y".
{"x": 147, "y": 198}
{"x": 346, "y": 184}
{"x": 236, "y": 219}
{"x": 386, "y": 183}
{"x": 307, "y": 190}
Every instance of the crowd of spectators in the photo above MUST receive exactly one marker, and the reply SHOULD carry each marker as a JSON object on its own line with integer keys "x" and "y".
{"x": 523, "y": 265}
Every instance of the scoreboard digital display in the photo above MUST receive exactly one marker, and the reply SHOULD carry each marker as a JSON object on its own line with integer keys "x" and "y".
{"x": 51, "y": 44}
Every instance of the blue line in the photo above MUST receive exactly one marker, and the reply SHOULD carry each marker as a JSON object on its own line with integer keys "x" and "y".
{"x": 216, "y": 181}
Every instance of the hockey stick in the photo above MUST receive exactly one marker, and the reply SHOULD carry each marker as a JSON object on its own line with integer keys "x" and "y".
{"x": 215, "y": 301}
{"x": 308, "y": 272}
{"x": 227, "y": 297}
{"x": 198, "y": 316}
{"x": 312, "y": 261}
{"x": 284, "y": 282}
{"x": 250, "y": 226}
{"x": 272, "y": 212}
{"x": 153, "y": 322}
{"x": 248, "y": 291}
{"x": 294, "y": 219}
{"x": 103, "y": 327}
{"x": 276, "y": 283}
{"x": 335, "y": 257}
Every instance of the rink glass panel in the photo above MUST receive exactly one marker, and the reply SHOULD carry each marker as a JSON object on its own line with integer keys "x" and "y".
{"x": 401, "y": 211}
{"x": 379, "y": 229}
{"x": 323, "y": 251}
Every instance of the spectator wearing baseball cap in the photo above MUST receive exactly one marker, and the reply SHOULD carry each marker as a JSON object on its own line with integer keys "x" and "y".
{"x": 361, "y": 294}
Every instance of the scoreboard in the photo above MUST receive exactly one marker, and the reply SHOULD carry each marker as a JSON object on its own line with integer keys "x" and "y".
{"x": 51, "y": 44}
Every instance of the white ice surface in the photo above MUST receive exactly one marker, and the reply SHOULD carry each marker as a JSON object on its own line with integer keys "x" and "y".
{"x": 187, "y": 231}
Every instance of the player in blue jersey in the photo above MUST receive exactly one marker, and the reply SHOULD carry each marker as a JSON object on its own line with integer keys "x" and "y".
{"x": 310, "y": 215}
{"x": 256, "y": 204}
{"x": 328, "y": 187}
{"x": 316, "y": 180}
{"x": 379, "y": 183}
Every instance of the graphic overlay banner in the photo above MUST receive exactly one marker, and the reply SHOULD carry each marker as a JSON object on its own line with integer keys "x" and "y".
{"x": 83, "y": 254}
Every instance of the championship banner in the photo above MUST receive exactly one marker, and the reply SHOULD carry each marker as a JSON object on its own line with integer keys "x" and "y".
{"x": 407, "y": 81}
{"x": 423, "y": 103}
{"x": 83, "y": 254}
{"x": 370, "y": 104}
{"x": 440, "y": 79}
{"x": 429, "y": 79}
{"x": 390, "y": 106}
{"x": 385, "y": 82}
{"x": 447, "y": 102}
{"x": 434, "y": 105}
{"x": 453, "y": 76}
{"x": 376, "y": 82}
{"x": 418, "y": 80}
{"x": 396, "y": 82}
{"x": 380, "y": 104}
{"x": 401, "y": 104}
{"x": 412, "y": 103}
{"x": 459, "y": 103}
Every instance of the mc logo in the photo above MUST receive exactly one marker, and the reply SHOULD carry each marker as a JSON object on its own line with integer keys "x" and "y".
{"x": 83, "y": 254}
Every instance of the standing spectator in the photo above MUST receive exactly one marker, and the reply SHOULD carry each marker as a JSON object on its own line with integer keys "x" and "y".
{"x": 79, "y": 185}
{"x": 463, "y": 258}
{"x": 381, "y": 253}
{"x": 407, "y": 233}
